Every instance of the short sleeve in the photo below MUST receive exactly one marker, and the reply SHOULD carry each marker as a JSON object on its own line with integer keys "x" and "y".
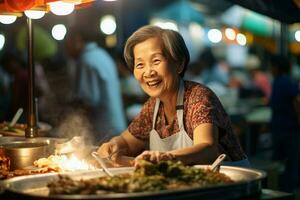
{"x": 205, "y": 108}
{"x": 141, "y": 125}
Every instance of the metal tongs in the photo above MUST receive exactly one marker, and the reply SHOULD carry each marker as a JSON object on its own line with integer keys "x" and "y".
{"x": 216, "y": 164}
{"x": 102, "y": 162}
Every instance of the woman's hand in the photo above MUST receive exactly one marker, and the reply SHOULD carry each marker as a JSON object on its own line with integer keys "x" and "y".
{"x": 110, "y": 150}
{"x": 154, "y": 156}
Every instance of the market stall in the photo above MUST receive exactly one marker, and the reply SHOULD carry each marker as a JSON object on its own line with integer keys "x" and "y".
{"x": 30, "y": 164}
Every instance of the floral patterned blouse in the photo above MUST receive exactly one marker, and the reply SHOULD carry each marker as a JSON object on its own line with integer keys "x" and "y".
{"x": 201, "y": 105}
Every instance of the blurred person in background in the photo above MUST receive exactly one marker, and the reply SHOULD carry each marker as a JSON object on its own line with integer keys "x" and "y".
{"x": 13, "y": 63}
{"x": 259, "y": 79}
{"x": 210, "y": 71}
{"x": 14, "y": 66}
{"x": 97, "y": 85}
{"x": 213, "y": 71}
{"x": 285, "y": 127}
{"x": 181, "y": 120}
{"x": 5, "y": 81}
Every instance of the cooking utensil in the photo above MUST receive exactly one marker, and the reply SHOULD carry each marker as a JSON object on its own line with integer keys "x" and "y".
{"x": 122, "y": 160}
{"x": 101, "y": 161}
{"x": 16, "y": 117}
{"x": 11, "y": 126}
{"x": 216, "y": 164}
{"x": 247, "y": 183}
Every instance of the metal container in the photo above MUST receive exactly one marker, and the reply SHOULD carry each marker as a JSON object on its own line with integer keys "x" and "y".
{"x": 8, "y": 139}
{"x": 247, "y": 183}
{"x": 23, "y": 153}
{"x": 50, "y": 140}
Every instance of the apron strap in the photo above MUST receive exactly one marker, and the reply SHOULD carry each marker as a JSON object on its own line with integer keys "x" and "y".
{"x": 157, "y": 102}
{"x": 179, "y": 106}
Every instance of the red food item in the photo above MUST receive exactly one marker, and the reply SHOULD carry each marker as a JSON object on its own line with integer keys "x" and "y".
{"x": 4, "y": 163}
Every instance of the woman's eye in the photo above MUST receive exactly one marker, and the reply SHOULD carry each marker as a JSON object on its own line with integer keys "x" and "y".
{"x": 156, "y": 61}
{"x": 138, "y": 65}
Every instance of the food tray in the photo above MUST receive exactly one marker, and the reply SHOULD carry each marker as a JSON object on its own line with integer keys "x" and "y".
{"x": 247, "y": 182}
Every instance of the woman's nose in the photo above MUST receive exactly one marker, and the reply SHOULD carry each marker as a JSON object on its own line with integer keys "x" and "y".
{"x": 149, "y": 72}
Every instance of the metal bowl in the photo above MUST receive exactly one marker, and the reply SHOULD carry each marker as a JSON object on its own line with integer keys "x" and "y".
{"x": 23, "y": 153}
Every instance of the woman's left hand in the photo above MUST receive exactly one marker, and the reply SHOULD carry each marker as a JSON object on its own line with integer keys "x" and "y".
{"x": 154, "y": 156}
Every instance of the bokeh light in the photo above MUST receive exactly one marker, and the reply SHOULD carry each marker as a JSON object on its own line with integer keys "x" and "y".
{"x": 164, "y": 24}
{"x": 297, "y": 36}
{"x": 241, "y": 39}
{"x": 59, "y": 31}
{"x": 214, "y": 35}
{"x": 108, "y": 24}
{"x": 2, "y": 41}
{"x": 230, "y": 34}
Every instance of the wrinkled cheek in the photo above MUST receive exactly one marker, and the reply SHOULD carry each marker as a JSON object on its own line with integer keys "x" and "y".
{"x": 137, "y": 76}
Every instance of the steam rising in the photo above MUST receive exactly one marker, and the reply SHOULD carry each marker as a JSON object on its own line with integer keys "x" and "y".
{"x": 75, "y": 123}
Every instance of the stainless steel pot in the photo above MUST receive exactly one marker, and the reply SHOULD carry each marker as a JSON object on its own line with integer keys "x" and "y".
{"x": 23, "y": 153}
{"x": 247, "y": 183}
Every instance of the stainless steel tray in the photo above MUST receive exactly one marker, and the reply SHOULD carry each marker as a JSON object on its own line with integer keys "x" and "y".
{"x": 247, "y": 182}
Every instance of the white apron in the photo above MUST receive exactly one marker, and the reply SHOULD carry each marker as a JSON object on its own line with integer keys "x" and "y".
{"x": 180, "y": 139}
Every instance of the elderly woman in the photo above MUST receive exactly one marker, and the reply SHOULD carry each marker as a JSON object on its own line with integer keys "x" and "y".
{"x": 181, "y": 120}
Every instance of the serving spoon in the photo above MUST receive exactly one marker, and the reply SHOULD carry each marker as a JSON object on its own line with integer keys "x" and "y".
{"x": 216, "y": 164}
{"x": 12, "y": 123}
{"x": 101, "y": 161}
{"x": 16, "y": 117}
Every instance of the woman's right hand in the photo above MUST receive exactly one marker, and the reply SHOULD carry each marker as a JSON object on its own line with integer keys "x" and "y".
{"x": 112, "y": 150}
{"x": 107, "y": 148}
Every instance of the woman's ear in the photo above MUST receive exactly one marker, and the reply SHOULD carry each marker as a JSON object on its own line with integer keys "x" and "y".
{"x": 180, "y": 68}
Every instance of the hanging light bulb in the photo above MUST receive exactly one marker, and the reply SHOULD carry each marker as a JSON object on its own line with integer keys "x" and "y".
{"x": 61, "y": 8}
{"x": 7, "y": 19}
{"x": 34, "y": 14}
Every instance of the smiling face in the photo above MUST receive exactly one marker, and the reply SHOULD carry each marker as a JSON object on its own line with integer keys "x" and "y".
{"x": 157, "y": 75}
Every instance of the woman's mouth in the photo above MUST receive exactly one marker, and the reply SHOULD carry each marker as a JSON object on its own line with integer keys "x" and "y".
{"x": 153, "y": 83}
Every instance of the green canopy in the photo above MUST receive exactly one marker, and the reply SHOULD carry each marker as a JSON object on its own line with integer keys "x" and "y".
{"x": 250, "y": 21}
{"x": 44, "y": 45}
{"x": 257, "y": 24}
